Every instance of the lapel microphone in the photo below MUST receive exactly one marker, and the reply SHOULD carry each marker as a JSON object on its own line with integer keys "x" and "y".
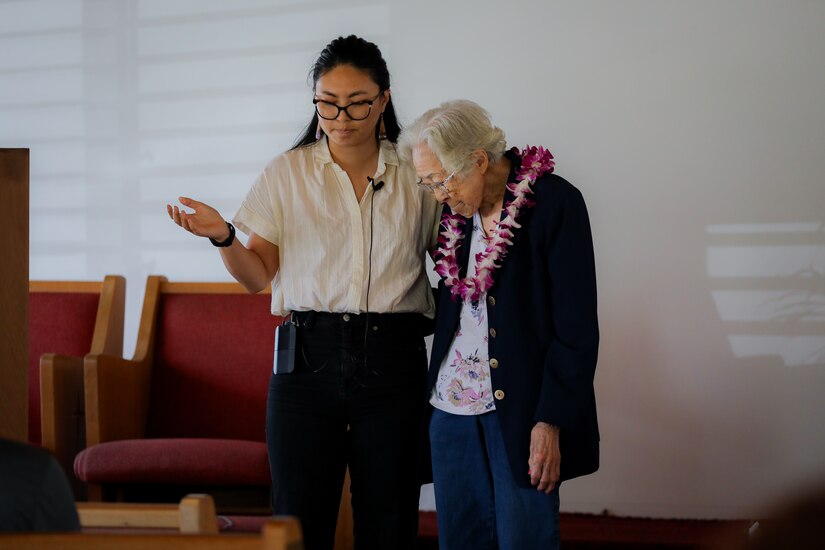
{"x": 375, "y": 186}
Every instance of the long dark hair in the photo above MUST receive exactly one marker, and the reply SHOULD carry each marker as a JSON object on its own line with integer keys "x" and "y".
{"x": 362, "y": 55}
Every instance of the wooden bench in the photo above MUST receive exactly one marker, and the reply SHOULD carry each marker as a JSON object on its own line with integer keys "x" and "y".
{"x": 194, "y": 394}
{"x": 67, "y": 320}
{"x": 194, "y": 514}
{"x": 198, "y": 381}
{"x": 277, "y": 534}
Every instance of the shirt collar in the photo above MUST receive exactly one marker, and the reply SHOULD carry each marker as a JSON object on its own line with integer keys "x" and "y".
{"x": 321, "y": 151}
{"x": 386, "y": 154}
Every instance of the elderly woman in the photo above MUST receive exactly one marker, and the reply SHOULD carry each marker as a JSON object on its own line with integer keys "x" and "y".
{"x": 511, "y": 374}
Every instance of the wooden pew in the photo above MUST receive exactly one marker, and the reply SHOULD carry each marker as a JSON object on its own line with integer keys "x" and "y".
{"x": 67, "y": 320}
{"x": 195, "y": 514}
{"x": 278, "y": 534}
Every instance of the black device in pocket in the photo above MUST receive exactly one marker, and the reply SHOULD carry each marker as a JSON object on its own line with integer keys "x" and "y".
{"x": 285, "y": 348}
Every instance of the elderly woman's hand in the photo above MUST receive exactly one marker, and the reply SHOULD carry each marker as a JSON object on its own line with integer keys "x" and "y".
{"x": 545, "y": 456}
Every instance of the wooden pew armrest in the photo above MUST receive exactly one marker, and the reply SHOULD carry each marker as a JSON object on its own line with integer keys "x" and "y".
{"x": 117, "y": 398}
{"x": 61, "y": 405}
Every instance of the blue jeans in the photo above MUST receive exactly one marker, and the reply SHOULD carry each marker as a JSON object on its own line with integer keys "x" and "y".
{"x": 347, "y": 406}
{"x": 479, "y": 504}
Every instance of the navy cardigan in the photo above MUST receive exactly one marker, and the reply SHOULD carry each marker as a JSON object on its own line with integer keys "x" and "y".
{"x": 543, "y": 328}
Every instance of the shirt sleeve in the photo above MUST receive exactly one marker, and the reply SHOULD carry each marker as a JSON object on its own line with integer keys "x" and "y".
{"x": 569, "y": 365}
{"x": 261, "y": 211}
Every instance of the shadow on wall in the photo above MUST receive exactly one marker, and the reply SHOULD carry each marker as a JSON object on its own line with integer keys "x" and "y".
{"x": 769, "y": 289}
{"x": 795, "y": 521}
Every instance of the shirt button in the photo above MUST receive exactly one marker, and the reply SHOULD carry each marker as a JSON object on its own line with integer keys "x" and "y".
{"x": 493, "y": 332}
{"x": 491, "y": 300}
{"x": 493, "y": 363}
{"x": 498, "y": 394}
{"x": 345, "y": 317}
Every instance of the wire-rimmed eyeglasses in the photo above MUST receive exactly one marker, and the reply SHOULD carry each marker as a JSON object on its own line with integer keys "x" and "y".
{"x": 437, "y": 185}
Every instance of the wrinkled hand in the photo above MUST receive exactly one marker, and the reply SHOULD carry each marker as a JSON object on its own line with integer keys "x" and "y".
{"x": 205, "y": 221}
{"x": 545, "y": 457}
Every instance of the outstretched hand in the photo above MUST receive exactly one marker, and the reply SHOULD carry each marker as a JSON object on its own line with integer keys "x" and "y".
{"x": 205, "y": 221}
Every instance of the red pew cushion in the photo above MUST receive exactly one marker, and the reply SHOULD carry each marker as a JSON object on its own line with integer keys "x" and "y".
{"x": 219, "y": 462}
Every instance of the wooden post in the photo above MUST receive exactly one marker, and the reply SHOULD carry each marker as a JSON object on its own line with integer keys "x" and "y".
{"x": 14, "y": 293}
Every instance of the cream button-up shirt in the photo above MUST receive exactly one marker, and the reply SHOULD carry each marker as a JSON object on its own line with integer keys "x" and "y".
{"x": 304, "y": 203}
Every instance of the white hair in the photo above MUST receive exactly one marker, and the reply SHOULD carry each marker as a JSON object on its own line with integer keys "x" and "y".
{"x": 453, "y": 130}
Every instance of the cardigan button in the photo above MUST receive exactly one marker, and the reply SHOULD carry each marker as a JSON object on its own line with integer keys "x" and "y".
{"x": 491, "y": 300}
{"x": 498, "y": 394}
{"x": 493, "y": 332}
{"x": 494, "y": 363}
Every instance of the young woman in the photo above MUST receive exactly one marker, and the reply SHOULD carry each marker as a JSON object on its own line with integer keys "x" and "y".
{"x": 338, "y": 230}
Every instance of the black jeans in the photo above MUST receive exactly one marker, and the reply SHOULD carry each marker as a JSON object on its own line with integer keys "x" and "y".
{"x": 342, "y": 406}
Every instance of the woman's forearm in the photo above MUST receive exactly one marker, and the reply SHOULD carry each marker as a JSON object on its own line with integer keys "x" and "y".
{"x": 253, "y": 267}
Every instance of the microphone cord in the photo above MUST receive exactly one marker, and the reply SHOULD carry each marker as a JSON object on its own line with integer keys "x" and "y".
{"x": 375, "y": 188}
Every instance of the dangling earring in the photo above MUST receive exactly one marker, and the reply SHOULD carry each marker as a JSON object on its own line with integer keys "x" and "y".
{"x": 318, "y": 130}
{"x": 382, "y": 131}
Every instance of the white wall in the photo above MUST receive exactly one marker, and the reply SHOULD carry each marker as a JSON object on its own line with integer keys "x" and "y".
{"x": 694, "y": 129}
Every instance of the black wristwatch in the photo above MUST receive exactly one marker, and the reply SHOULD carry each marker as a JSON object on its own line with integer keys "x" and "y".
{"x": 229, "y": 240}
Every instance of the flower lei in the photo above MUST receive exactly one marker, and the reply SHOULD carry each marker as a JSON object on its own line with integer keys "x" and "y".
{"x": 535, "y": 162}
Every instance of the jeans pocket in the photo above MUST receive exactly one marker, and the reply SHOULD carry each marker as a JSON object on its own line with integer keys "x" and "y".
{"x": 316, "y": 358}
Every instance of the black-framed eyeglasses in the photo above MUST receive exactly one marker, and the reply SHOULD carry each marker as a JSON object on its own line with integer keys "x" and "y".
{"x": 437, "y": 185}
{"x": 357, "y": 110}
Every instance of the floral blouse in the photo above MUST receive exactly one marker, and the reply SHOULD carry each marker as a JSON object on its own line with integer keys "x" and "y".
{"x": 463, "y": 385}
